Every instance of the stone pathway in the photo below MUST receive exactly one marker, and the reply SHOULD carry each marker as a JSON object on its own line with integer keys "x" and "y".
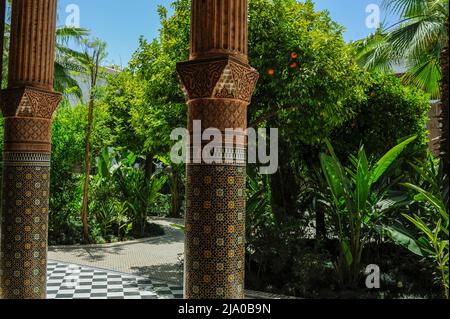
{"x": 156, "y": 258}
{"x": 141, "y": 269}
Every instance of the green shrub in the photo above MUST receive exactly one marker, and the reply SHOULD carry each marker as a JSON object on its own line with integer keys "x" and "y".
{"x": 68, "y": 138}
{"x": 389, "y": 112}
{"x": 129, "y": 184}
{"x": 67, "y": 156}
{"x": 428, "y": 214}
{"x": 356, "y": 205}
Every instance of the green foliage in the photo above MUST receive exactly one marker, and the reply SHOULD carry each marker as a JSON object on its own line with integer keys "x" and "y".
{"x": 110, "y": 214}
{"x": 66, "y": 60}
{"x": 388, "y": 112}
{"x": 434, "y": 241}
{"x": 430, "y": 238}
{"x": 133, "y": 189}
{"x": 258, "y": 213}
{"x": 163, "y": 106}
{"x": 68, "y": 137}
{"x": 314, "y": 72}
{"x": 417, "y": 42}
{"x": 65, "y": 202}
{"x": 123, "y": 92}
{"x": 356, "y": 206}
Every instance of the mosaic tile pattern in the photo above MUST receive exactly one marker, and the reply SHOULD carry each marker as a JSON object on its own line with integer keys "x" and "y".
{"x": 79, "y": 282}
{"x": 24, "y": 220}
{"x": 215, "y": 232}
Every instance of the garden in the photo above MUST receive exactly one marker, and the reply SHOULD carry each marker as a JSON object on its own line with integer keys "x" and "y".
{"x": 357, "y": 189}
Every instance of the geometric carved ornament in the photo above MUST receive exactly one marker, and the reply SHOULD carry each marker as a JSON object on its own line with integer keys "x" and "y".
{"x": 29, "y": 102}
{"x": 223, "y": 78}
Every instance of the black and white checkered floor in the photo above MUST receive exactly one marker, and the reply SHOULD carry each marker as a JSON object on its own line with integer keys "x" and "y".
{"x": 79, "y": 282}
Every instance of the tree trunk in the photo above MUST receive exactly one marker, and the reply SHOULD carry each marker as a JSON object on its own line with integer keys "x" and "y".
{"x": 175, "y": 195}
{"x": 87, "y": 167}
{"x": 284, "y": 187}
{"x": 148, "y": 173}
{"x": 321, "y": 231}
{"x": 445, "y": 102}
{"x": 148, "y": 166}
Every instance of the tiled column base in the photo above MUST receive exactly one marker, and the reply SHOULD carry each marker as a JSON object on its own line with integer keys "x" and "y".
{"x": 215, "y": 232}
{"x": 24, "y": 220}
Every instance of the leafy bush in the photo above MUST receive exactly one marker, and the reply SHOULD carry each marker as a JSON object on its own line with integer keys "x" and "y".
{"x": 67, "y": 156}
{"x": 389, "y": 112}
{"x": 68, "y": 137}
{"x": 430, "y": 238}
{"x": 137, "y": 192}
{"x": 434, "y": 242}
{"x": 356, "y": 206}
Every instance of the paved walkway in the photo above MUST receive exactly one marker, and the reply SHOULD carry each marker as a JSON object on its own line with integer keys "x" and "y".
{"x": 156, "y": 258}
{"x": 149, "y": 268}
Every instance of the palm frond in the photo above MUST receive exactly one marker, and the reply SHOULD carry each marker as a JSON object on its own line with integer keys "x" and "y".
{"x": 417, "y": 35}
{"x": 375, "y": 53}
{"x": 66, "y": 34}
{"x": 405, "y": 8}
{"x": 425, "y": 73}
{"x": 416, "y": 41}
{"x": 65, "y": 82}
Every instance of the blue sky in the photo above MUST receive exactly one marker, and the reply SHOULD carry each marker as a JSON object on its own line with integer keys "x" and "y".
{"x": 121, "y": 23}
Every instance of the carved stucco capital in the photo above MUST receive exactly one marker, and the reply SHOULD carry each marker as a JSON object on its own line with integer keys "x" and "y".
{"x": 221, "y": 78}
{"x": 28, "y": 113}
{"x": 29, "y": 102}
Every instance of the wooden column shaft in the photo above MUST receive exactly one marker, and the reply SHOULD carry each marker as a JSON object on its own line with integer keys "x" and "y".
{"x": 219, "y": 28}
{"x": 32, "y": 45}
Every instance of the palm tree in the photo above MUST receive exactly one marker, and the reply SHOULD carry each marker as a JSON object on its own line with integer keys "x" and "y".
{"x": 420, "y": 42}
{"x": 90, "y": 63}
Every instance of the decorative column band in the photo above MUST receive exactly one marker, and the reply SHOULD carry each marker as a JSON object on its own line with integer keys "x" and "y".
{"x": 28, "y": 159}
{"x": 32, "y": 45}
{"x": 219, "y": 27}
{"x": 221, "y": 114}
{"x": 223, "y": 77}
{"x": 215, "y": 232}
{"x": 226, "y": 155}
{"x": 28, "y": 116}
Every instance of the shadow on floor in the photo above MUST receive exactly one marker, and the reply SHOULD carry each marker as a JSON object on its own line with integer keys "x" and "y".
{"x": 168, "y": 272}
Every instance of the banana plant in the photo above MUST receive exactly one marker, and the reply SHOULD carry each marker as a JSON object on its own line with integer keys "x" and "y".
{"x": 434, "y": 240}
{"x": 356, "y": 205}
{"x": 431, "y": 240}
{"x": 112, "y": 213}
{"x": 138, "y": 192}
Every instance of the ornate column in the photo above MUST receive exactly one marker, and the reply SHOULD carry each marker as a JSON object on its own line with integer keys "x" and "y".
{"x": 218, "y": 83}
{"x": 27, "y": 106}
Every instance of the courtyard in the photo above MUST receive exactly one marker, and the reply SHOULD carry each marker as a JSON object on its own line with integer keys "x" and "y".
{"x": 242, "y": 149}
